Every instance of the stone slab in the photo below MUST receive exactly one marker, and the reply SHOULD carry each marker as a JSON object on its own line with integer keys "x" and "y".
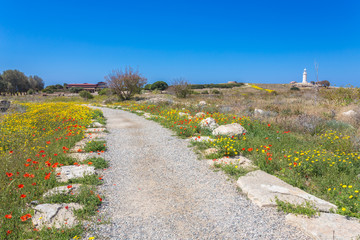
{"x": 262, "y": 188}
{"x": 66, "y": 190}
{"x": 84, "y": 156}
{"x": 71, "y": 172}
{"x": 326, "y": 226}
{"x": 55, "y": 215}
{"x": 239, "y": 161}
{"x": 95, "y": 130}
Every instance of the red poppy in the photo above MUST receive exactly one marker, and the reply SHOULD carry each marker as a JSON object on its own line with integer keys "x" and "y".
{"x": 23, "y": 196}
{"x": 8, "y": 232}
{"x": 28, "y": 160}
{"x": 20, "y": 185}
{"x": 90, "y": 163}
{"x": 9, "y": 174}
{"x": 250, "y": 149}
{"x": 55, "y": 154}
{"x": 99, "y": 198}
{"x": 47, "y": 176}
{"x": 11, "y": 152}
{"x": 26, "y": 164}
{"x": 8, "y": 216}
{"x": 25, "y": 217}
{"x": 69, "y": 186}
{"x": 33, "y": 184}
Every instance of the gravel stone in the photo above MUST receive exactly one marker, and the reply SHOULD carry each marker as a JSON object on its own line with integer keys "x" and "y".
{"x": 155, "y": 188}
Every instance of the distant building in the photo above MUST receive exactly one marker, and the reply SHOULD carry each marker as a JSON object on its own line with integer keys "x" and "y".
{"x": 88, "y": 86}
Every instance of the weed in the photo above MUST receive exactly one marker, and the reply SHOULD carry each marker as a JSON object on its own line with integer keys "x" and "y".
{"x": 98, "y": 163}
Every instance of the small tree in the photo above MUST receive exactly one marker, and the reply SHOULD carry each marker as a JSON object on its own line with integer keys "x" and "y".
{"x": 181, "y": 88}
{"x": 159, "y": 85}
{"x": 125, "y": 83}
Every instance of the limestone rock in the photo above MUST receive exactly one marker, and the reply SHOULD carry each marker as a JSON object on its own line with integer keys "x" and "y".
{"x": 210, "y": 151}
{"x": 91, "y": 130}
{"x": 240, "y": 161}
{"x": 199, "y": 114}
{"x": 66, "y": 190}
{"x": 350, "y": 113}
{"x": 181, "y": 114}
{"x": 262, "y": 188}
{"x": 147, "y": 115}
{"x": 209, "y": 123}
{"x": 57, "y": 215}
{"x": 97, "y": 125}
{"x": 158, "y": 100}
{"x": 229, "y": 130}
{"x": 326, "y": 226}
{"x": 263, "y": 113}
{"x": 83, "y": 156}
{"x": 71, "y": 172}
{"x": 201, "y": 139}
{"x": 202, "y": 103}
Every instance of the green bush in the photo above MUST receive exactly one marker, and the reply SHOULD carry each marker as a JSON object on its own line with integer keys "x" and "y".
{"x": 30, "y": 92}
{"x": 205, "y": 92}
{"x": 159, "y": 85}
{"x": 215, "y": 91}
{"x": 105, "y": 91}
{"x": 86, "y": 95}
{"x": 293, "y": 88}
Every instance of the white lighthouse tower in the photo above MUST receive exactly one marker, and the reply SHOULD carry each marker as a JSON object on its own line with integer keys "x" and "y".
{"x": 304, "y": 77}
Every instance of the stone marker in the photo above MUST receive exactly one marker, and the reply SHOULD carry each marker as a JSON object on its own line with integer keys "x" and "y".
{"x": 66, "y": 190}
{"x": 55, "y": 215}
{"x": 262, "y": 188}
{"x": 326, "y": 226}
{"x": 233, "y": 129}
{"x": 209, "y": 123}
{"x": 75, "y": 171}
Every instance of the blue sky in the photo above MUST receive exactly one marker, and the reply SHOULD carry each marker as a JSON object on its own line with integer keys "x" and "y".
{"x": 201, "y": 41}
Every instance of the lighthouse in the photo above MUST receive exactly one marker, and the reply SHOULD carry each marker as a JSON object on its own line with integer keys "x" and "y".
{"x": 304, "y": 77}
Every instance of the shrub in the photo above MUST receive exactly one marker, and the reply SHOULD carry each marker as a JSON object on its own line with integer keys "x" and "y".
{"x": 181, "y": 88}
{"x": 215, "y": 91}
{"x": 30, "y": 92}
{"x": 205, "y": 92}
{"x": 105, "y": 91}
{"x": 86, "y": 95}
{"x": 293, "y": 88}
{"x": 159, "y": 85}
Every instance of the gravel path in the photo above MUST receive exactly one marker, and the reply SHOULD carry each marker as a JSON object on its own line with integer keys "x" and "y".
{"x": 156, "y": 188}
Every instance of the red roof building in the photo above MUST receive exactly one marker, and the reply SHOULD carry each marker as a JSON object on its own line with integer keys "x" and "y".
{"x": 88, "y": 86}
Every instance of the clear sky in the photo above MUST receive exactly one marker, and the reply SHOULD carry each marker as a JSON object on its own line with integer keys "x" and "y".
{"x": 202, "y": 41}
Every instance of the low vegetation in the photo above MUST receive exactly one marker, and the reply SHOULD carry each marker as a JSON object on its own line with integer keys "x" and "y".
{"x": 34, "y": 141}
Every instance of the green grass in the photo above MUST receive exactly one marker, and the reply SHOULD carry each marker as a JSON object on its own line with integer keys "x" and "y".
{"x": 98, "y": 163}
{"x": 88, "y": 180}
{"x": 233, "y": 171}
{"x": 95, "y": 146}
{"x": 304, "y": 209}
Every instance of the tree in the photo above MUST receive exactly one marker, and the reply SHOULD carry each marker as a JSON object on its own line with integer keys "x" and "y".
{"x": 17, "y": 81}
{"x": 159, "y": 85}
{"x": 147, "y": 87}
{"x": 125, "y": 83}
{"x": 181, "y": 88}
{"x": 39, "y": 83}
